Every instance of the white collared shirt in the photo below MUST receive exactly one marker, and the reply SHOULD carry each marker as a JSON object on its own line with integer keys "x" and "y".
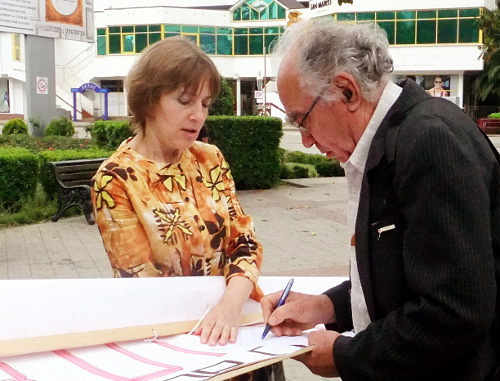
{"x": 354, "y": 171}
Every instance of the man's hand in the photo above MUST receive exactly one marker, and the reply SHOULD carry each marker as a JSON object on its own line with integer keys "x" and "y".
{"x": 320, "y": 360}
{"x": 300, "y": 312}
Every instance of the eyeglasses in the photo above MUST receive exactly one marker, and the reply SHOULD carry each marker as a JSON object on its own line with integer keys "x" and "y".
{"x": 298, "y": 126}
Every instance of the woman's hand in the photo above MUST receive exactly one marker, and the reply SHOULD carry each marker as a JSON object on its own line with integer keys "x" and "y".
{"x": 220, "y": 325}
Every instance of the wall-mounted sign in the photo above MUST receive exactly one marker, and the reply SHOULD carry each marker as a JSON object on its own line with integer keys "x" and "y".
{"x": 69, "y": 19}
{"x": 42, "y": 86}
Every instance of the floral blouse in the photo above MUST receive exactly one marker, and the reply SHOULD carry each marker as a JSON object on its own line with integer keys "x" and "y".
{"x": 174, "y": 220}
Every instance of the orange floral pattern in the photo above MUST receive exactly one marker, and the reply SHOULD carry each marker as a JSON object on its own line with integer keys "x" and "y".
{"x": 177, "y": 219}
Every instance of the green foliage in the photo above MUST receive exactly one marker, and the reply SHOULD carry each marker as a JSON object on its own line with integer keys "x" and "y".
{"x": 36, "y": 144}
{"x": 47, "y": 178}
{"x": 35, "y": 123}
{"x": 34, "y": 209}
{"x": 488, "y": 81}
{"x": 495, "y": 115}
{"x": 250, "y": 144}
{"x": 330, "y": 168}
{"x": 15, "y": 126}
{"x": 60, "y": 127}
{"x": 109, "y": 134}
{"x": 18, "y": 176}
{"x": 224, "y": 105}
{"x": 323, "y": 166}
{"x": 300, "y": 171}
{"x": 297, "y": 171}
{"x": 304, "y": 158}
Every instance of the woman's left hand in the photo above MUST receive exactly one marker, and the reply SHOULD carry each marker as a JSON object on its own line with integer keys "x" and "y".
{"x": 220, "y": 325}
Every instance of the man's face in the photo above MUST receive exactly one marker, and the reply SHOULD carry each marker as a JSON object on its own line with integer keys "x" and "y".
{"x": 328, "y": 125}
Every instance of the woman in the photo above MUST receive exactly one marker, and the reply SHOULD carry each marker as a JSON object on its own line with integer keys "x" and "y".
{"x": 438, "y": 90}
{"x": 165, "y": 203}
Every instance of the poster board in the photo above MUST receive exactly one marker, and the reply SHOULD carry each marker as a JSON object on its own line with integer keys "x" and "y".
{"x": 57, "y": 314}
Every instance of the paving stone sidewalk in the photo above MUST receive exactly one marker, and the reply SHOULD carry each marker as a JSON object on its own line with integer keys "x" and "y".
{"x": 302, "y": 226}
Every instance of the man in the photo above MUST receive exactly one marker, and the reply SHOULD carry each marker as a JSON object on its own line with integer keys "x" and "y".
{"x": 424, "y": 210}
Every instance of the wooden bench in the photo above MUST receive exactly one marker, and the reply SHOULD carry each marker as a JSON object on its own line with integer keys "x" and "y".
{"x": 74, "y": 181}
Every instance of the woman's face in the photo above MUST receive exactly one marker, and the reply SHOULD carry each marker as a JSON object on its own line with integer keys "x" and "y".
{"x": 180, "y": 116}
{"x": 438, "y": 82}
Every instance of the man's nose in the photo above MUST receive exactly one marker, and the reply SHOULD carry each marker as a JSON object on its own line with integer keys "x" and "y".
{"x": 307, "y": 140}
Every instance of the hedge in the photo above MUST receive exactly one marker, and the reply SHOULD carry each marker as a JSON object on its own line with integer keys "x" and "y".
{"x": 18, "y": 175}
{"x": 47, "y": 178}
{"x": 108, "y": 134}
{"x": 250, "y": 144}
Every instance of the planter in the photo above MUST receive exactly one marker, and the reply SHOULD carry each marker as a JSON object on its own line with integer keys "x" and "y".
{"x": 489, "y": 125}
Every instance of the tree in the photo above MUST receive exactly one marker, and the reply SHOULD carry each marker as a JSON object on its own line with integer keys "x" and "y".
{"x": 224, "y": 105}
{"x": 488, "y": 81}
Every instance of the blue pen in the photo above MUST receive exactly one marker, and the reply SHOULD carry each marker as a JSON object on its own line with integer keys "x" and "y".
{"x": 283, "y": 297}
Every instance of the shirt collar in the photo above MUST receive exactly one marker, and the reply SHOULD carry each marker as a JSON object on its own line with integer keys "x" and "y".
{"x": 389, "y": 96}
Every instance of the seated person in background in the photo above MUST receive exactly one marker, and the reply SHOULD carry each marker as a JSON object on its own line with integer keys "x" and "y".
{"x": 203, "y": 135}
{"x": 165, "y": 204}
{"x": 437, "y": 90}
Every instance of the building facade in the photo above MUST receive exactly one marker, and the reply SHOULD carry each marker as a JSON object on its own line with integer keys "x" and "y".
{"x": 428, "y": 40}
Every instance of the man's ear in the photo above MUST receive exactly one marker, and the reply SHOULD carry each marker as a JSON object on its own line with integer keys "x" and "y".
{"x": 349, "y": 89}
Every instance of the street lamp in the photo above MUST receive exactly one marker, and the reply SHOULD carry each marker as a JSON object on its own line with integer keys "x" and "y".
{"x": 260, "y": 5}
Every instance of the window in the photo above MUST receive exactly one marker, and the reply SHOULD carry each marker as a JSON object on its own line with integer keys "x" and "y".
{"x": 127, "y": 39}
{"x": 409, "y": 27}
{"x": 212, "y": 40}
{"x": 255, "y": 10}
{"x": 113, "y": 85}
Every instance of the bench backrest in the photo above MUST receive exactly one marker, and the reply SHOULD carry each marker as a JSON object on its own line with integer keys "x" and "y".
{"x": 76, "y": 172}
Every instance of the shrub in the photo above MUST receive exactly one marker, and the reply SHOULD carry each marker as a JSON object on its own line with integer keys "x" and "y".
{"x": 330, "y": 168}
{"x": 304, "y": 158}
{"x": 15, "y": 126}
{"x": 250, "y": 144}
{"x": 60, "y": 127}
{"x": 18, "y": 176}
{"x": 495, "y": 115}
{"x": 108, "y": 134}
{"x": 299, "y": 172}
{"x": 224, "y": 104}
{"x": 286, "y": 172}
{"x": 47, "y": 178}
{"x": 36, "y": 144}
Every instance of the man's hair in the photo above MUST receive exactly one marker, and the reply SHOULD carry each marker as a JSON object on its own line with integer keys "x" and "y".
{"x": 164, "y": 67}
{"x": 323, "y": 48}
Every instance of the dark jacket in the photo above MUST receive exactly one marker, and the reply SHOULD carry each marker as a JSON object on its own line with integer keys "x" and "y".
{"x": 431, "y": 284}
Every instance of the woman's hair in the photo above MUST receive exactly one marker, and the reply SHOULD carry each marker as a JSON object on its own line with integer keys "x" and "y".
{"x": 161, "y": 69}
{"x": 323, "y": 48}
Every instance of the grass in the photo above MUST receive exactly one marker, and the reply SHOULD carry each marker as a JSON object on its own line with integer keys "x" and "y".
{"x": 36, "y": 209}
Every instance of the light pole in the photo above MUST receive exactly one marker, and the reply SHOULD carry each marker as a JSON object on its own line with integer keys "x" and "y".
{"x": 260, "y": 5}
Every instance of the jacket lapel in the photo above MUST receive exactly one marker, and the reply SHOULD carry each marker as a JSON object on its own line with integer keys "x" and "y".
{"x": 382, "y": 152}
